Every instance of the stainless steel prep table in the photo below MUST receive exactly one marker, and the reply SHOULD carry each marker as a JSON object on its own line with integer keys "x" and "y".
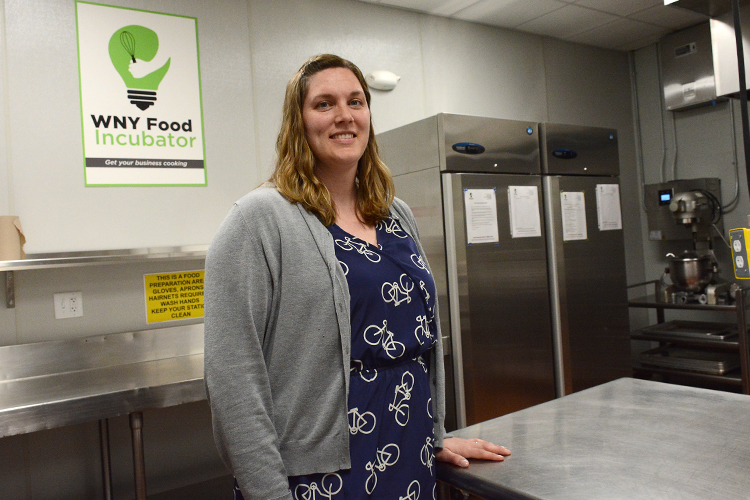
{"x": 53, "y": 384}
{"x": 626, "y": 439}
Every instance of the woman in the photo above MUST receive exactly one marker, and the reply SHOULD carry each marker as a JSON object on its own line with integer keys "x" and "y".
{"x": 322, "y": 360}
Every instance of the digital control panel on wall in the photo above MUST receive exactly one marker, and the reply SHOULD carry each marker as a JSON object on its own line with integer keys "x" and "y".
{"x": 683, "y": 209}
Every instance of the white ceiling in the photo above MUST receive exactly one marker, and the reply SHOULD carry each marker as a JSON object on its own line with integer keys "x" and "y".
{"x": 611, "y": 24}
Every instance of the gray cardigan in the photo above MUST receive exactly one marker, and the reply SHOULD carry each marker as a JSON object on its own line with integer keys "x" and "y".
{"x": 277, "y": 344}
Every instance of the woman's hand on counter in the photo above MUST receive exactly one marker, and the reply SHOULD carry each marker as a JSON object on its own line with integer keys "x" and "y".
{"x": 457, "y": 450}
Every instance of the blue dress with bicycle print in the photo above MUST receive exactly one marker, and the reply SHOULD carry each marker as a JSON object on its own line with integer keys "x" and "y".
{"x": 390, "y": 410}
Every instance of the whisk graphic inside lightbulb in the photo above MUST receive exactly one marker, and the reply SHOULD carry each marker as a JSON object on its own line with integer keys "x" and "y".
{"x": 128, "y": 43}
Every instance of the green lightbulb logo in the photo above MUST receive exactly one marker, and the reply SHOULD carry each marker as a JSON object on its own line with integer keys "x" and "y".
{"x": 133, "y": 51}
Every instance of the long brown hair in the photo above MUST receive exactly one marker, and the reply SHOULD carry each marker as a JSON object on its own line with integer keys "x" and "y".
{"x": 294, "y": 176}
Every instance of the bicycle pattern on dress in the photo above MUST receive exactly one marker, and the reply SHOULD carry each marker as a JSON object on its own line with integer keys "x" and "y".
{"x": 393, "y": 331}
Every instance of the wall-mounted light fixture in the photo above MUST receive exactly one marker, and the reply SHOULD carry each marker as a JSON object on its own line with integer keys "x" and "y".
{"x": 382, "y": 80}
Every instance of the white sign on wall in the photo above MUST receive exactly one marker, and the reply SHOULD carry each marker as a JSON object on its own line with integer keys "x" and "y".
{"x": 141, "y": 112}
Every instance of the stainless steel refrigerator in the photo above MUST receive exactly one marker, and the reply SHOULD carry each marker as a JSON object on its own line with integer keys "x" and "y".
{"x": 512, "y": 317}
{"x": 588, "y": 287}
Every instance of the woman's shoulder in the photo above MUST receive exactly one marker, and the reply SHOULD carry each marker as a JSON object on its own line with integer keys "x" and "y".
{"x": 265, "y": 201}
{"x": 258, "y": 214}
{"x": 265, "y": 195}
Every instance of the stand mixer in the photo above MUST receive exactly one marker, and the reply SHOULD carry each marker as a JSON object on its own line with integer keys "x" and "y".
{"x": 693, "y": 273}
{"x": 696, "y": 210}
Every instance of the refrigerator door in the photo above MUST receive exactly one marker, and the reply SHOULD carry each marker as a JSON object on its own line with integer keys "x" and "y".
{"x": 588, "y": 283}
{"x": 577, "y": 150}
{"x": 499, "y": 303}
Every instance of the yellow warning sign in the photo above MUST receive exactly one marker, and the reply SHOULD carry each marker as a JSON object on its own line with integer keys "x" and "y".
{"x": 173, "y": 296}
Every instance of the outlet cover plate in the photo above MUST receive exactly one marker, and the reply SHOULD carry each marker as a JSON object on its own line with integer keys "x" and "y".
{"x": 68, "y": 305}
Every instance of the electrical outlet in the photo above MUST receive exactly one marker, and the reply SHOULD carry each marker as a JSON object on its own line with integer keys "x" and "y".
{"x": 68, "y": 305}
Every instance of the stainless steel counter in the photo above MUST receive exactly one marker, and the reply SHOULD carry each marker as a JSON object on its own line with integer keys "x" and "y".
{"x": 627, "y": 439}
{"x": 52, "y": 384}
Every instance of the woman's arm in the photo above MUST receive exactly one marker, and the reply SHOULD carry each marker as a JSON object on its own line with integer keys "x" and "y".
{"x": 238, "y": 297}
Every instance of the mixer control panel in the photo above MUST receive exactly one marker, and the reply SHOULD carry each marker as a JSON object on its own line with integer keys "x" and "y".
{"x": 739, "y": 239}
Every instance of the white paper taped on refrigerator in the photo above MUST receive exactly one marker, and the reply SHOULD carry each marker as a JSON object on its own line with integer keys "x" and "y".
{"x": 523, "y": 204}
{"x": 608, "y": 207}
{"x": 573, "y": 205}
{"x": 481, "y": 216}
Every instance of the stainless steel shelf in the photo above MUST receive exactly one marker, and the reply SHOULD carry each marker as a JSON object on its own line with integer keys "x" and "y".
{"x": 733, "y": 378}
{"x": 650, "y": 302}
{"x": 124, "y": 256}
{"x": 728, "y": 345}
{"x": 739, "y": 377}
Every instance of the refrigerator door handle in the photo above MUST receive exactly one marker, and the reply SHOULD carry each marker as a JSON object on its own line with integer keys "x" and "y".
{"x": 455, "y": 312}
{"x": 556, "y": 273}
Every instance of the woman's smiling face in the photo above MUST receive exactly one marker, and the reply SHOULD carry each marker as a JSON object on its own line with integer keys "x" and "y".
{"x": 336, "y": 119}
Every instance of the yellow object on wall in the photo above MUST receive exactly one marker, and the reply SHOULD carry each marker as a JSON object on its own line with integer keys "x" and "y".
{"x": 739, "y": 239}
{"x": 174, "y": 296}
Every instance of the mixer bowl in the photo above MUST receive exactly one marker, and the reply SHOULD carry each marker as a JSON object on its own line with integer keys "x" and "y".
{"x": 690, "y": 272}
